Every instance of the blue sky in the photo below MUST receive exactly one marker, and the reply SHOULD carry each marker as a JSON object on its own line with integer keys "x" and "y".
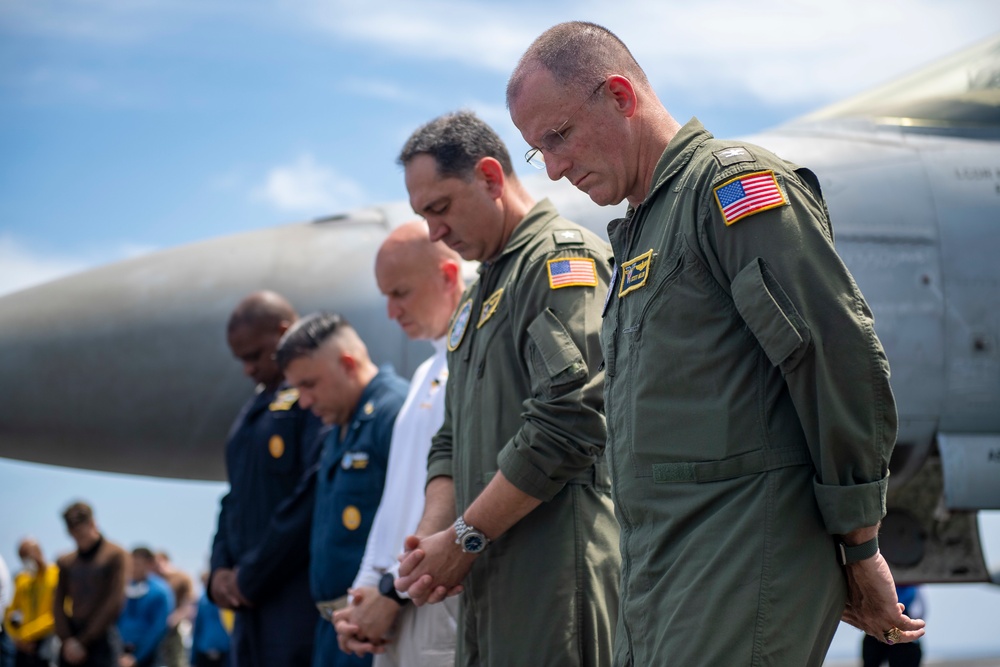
{"x": 127, "y": 127}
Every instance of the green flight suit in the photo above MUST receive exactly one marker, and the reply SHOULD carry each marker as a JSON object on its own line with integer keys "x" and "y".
{"x": 525, "y": 396}
{"x": 749, "y": 412}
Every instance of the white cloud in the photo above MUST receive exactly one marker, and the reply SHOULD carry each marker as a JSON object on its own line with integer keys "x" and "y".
{"x": 21, "y": 267}
{"x": 769, "y": 52}
{"x": 306, "y": 186}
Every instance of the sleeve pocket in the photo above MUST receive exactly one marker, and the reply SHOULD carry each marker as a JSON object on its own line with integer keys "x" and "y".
{"x": 560, "y": 356}
{"x": 769, "y": 313}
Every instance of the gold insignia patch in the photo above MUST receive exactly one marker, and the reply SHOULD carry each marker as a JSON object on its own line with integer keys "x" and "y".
{"x": 351, "y": 517}
{"x": 369, "y": 408}
{"x": 635, "y": 272}
{"x": 284, "y": 400}
{"x": 489, "y": 307}
{"x": 276, "y": 446}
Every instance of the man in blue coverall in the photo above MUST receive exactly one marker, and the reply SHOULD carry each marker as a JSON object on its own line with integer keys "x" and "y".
{"x": 143, "y": 621}
{"x": 259, "y": 565}
{"x": 323, "y": 357}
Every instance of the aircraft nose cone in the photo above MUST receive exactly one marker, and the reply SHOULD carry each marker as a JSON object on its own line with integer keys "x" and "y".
{"x": 125, "y": 368}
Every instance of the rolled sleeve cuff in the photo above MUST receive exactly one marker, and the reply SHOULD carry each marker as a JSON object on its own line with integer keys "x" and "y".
{"x": 438, "y": 468}
{"x": 847, "y": 508}
{"x": 525, "y": 476}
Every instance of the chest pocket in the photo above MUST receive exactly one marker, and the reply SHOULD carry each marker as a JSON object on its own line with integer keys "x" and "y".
{"x": 556, "y": 362}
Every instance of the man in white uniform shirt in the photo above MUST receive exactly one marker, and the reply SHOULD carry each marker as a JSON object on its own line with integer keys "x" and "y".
{"x": 423, "y": 284}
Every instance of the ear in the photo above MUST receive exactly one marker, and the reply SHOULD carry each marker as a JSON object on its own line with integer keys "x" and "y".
{"x": 449, "y": 269}
{"x": 623, "y": 93}
{"x": 491, "y": 172}
{"x": 348, "y": 363}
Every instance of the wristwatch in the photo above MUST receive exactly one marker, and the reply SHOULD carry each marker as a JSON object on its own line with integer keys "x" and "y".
{"x": 473, "y": 541}
{"x": 387, "y": 587}
{"x": 858, "y": 552}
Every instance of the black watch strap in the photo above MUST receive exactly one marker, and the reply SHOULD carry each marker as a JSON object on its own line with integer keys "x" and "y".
{"x": 857, "y": 553}
{"x": 387, "y": 587}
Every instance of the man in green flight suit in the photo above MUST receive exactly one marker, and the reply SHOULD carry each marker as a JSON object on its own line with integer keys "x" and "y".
{"x": 518, "y": 510}
{"x": 750, "y": 417}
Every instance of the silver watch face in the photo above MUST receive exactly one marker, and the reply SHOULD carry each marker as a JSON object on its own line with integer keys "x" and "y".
{"x": 473, "y": 542}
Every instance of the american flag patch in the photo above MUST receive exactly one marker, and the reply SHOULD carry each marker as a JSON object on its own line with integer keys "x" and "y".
{"x": 569, "y": 271}
{"x": 748, "y": 194}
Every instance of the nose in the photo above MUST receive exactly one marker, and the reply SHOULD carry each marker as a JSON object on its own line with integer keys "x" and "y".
{"x": 437, "y": 230}
{"x": 556, "y": 166}
{"x": 305, "y": 400}
{"x": 393, "y": 309}
{"x": 249, "y": 368}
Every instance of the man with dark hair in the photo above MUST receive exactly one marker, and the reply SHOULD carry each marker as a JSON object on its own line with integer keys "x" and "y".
{"x": 326, "y": 361}
{"x": 258, "y": 567}
{"x": 750, "y": 417}
{"x": 90, "y": 593}
{"x": 518, "y": 510}
{"x": 143, "y": 622}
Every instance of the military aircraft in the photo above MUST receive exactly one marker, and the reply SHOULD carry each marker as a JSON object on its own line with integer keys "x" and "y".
{"x": 125, "y": 368}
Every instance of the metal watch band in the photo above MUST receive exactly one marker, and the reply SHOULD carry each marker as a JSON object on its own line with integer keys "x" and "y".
{"x": 463, "y": 529}
{"x": 858, "y": 552}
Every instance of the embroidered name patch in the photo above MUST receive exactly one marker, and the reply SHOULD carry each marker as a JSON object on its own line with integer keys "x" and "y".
{"x": 748, "y": 194}
{"x": 635, "y": 272}
{"x": 571, "y": 271}
{"x": 284, "y": 400}
{"x": 459, "y": 325}
{"x": 489, "y": 307}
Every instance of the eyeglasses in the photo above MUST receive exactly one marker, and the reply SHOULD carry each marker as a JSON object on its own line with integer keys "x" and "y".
{"x": 553, "y": 140}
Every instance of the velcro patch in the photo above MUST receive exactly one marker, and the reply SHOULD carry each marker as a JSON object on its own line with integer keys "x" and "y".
{"x": 570, "y": 271}
{"x": 748, "y": 194}
{"x": 568, "y": 236}
{"x": 733, "y": 155}
{"x": 635, "y": 272}
{"x": 489, "y": 307}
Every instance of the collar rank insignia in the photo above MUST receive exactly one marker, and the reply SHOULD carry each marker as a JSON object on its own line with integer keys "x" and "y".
{"x": 489, "y": 307}
{"x": 459, "y": 325}
{"x": 748, "y": 194}
{"x": 570, "y": 271}
{"x": 635, "y": 272}
{"x": 284, "y": 400}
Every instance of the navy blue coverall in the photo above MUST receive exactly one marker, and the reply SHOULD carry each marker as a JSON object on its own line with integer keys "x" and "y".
{"x": 271, "y": 454}
{"x": 348, "y": 490}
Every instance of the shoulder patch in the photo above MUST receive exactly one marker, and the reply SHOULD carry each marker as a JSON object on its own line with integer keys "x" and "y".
{"x": 459, "y": 325}
{"x": 571, "y": 271}
{"x": 489, "y": 307}
{"x": 284, "y": 400}
{"x": 748, "y": 194}
{"x": 733, "y": 155}
{"x": 564, "y": 236}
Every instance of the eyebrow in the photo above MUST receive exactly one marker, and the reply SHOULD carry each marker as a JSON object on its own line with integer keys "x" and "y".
{"x": 434, "y": 203}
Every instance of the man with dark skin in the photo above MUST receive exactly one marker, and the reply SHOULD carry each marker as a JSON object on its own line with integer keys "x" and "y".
{"x": 93, "y": 578}
{"x": 256, "y": 568}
